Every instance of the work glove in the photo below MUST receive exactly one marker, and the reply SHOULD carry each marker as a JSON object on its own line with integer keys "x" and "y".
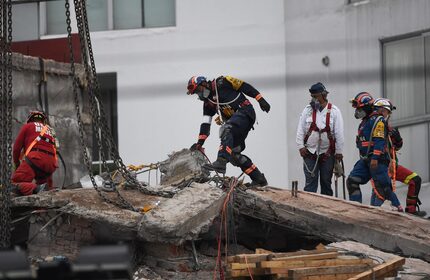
{"x": 264, "y": 105}
{"x": 303, "y": 152}
{"x": 197, "y": 146}
{"x": 396, "y": 138}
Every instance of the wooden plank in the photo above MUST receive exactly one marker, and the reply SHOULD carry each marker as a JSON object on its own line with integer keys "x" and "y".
{"x": 300, "y": 253}
{"x": 331, "y": 255}
{"x": 343, "y": 276}
{"x": 312, "y": 263}
{"x": 245, "y": 272}
{"x": 262, "y": 251}
{"x": 268, "y": 256}
{"x": 380, "y": 270}
{"x": 244, "y": 258}
{"x": 297, "y": 273}
{"x": 233, "y": 266}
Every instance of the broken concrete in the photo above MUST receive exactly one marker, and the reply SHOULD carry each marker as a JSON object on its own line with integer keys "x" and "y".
{"x": 184, "y": 216}
{"x": 414, "y": 269}
{"x": 174, "y": 220}
{"x": 183, "y": 166}
{"x": 337, "y": 220}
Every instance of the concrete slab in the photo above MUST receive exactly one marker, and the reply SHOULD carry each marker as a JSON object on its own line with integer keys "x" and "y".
{"x": 336, "y": 220}
{"x": 184, "y": 216}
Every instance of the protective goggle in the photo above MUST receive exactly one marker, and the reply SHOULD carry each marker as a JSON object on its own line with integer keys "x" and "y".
{"x": 191, "y": 88}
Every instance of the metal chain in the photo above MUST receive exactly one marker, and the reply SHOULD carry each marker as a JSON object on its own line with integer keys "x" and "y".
{"x": 106, "y": 134}
{"x": 123, "y": 203}
{"x": 100, "y": 124}
{"x": 5, "y": 120}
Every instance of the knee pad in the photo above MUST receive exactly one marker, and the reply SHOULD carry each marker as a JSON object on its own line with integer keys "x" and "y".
{"x": 383, "y": 190}
{"x": 353, "y": 185}
{"x": 237, "y": 159}
{"x": 226, "y": 131}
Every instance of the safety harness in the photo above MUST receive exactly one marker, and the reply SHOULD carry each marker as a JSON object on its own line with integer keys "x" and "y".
{"x": 313, "y": 127}
{"x": 41, "y": 136}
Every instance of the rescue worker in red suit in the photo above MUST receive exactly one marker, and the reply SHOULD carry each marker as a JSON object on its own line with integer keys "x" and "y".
{"x": 34, "y": 155}
{"x": 401, "y": 173}
{"x": 225, "y": 96}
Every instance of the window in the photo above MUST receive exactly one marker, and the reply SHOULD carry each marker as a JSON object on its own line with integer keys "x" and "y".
{"x": 406, "y": 71}
{"x": 115, "y": 14}
{"x": 108, "y": 96}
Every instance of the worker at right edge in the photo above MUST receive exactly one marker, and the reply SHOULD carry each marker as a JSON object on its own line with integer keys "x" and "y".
{"x": 399, "y": 172}
{"x": 371, "y": 142}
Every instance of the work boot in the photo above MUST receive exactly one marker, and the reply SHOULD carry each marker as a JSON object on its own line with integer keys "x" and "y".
{"x": 258, "y": 179}
{"x": 412, "y": 209}
{"x": 14, "y": 191}
{"x": 219, "y": 165}
{"x": 40, "y": 188}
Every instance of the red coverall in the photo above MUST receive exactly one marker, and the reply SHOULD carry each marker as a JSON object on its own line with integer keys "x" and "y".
{"x": 42, "y": 156}
{"x": 406, "y": 176}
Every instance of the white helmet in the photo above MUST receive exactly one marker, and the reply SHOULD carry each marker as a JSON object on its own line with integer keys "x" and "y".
{"x": 384, "y": 103}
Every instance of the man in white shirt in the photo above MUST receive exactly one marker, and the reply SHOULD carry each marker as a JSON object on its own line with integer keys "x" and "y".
{"x": 320, "y": 140}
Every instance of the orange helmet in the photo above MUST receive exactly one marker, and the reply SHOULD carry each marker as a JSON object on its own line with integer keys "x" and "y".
{"x": 36, "y": 116}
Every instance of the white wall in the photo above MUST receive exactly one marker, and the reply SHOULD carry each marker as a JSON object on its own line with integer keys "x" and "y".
{"x": 350, "y": 36}
{"x": 242, "y": 38}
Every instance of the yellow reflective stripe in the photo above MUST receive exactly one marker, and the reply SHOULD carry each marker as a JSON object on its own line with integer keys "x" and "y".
{"x": 406, "y": 181}
{"x": 236, "y": 83}
{"x": 379, "y": 130}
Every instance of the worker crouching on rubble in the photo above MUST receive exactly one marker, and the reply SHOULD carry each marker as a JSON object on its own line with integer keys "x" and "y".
{"x": 225, "y": 96}
{"x": 398, "y": 172}
{"x": 34, "y": 156}
{"x": 320, "y": 140}
{"x": 371, "y": 142}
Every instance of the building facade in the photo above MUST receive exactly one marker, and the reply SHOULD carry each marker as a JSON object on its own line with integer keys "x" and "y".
{"x": 152, "y": 48}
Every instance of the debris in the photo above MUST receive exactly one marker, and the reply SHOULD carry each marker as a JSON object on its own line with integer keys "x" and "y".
{"x": 313, "y": 264}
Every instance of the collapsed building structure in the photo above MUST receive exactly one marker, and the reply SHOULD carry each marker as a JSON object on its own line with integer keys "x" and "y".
{"x": 61, "y": 222}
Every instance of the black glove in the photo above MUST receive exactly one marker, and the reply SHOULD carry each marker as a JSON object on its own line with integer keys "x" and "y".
{"x": 264, "y": 105}
{"x": 196, "y": 146}
{"x": 396, "y": 138}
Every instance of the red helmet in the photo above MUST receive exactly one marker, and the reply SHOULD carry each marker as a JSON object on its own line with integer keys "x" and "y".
{"x": 36, "y": 116}
{"x": 194, "y": 82}
{"x": 362, "y": 99}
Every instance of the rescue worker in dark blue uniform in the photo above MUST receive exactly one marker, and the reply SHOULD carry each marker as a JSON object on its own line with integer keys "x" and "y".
{"x": 225, "y": 96}
{"x": 371, "y": 142}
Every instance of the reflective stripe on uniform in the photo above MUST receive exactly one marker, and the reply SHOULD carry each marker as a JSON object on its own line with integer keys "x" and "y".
{"x": 406, "y": 181}
{"x": 258, "y": 97}
{"x": 249, "y": 170}
{"x": 207, "y": 119}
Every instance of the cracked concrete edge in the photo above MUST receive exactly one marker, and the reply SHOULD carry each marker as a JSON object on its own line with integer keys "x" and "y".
{"x": 182, "y": 217}
{"x": 333, "y": 229}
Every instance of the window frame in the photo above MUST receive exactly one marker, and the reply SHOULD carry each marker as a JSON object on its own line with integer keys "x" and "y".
{"x": 425, "y": 118}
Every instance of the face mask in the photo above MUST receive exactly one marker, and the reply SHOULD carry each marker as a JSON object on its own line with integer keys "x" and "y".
{"x": 359, "y": 114}
{"x": 315, "y": 104}
{"x": 204, "y": 94}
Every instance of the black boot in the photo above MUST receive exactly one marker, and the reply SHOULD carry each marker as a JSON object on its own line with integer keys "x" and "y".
{"x": 219, "y": 165}
{"x": 258, "y": 179}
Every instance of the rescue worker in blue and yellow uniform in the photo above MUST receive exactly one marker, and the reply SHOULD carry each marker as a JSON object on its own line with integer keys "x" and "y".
{"x": 225, "y": 96}
{"x": 371, "y": 142}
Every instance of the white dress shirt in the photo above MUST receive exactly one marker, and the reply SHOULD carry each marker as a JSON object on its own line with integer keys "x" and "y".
{"x": 336, "y": 127}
